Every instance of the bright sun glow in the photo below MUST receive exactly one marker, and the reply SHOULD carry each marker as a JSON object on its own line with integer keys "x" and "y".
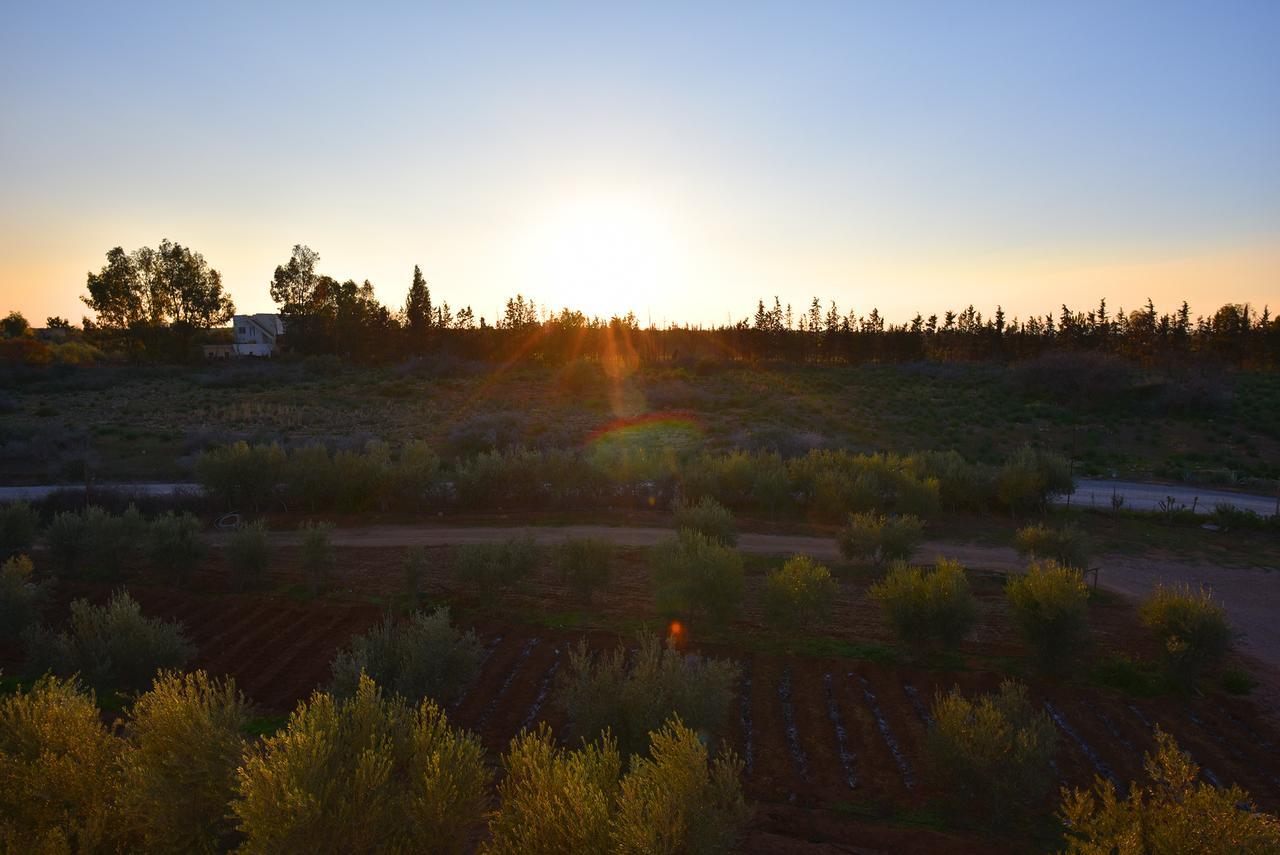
{"x": 601, "y": 256}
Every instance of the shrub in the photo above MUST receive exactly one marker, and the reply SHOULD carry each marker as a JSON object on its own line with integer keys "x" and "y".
{"x": 585, "y": 565}
{"x": 1230, "y": 518}
{"x": 414, "y": 475}
{"x": 96, "y": 541}
{"x": 22, "y": 600}
{"x": 994, "y": 752}
{"x": 178, "y": 545}
{"x": 364, "y": 774}
{"x": 674, "y": 800}
{"x": 494, "y": 566}
{"x": 111, "y": 647}
{"x": 241, "y": 475}
{"x": 180, "y": 771}
{"x": 553, "y": 799}
{"x": 707, "y": 517}
{"x": 927, "y": 607}
{"x": 1192, "y": 627}
{"x": 317, "y": 554}
{"x": 1173, "y": 812}
{"x": 58, "y": 771}
{"x": 879, "y": 538}
{"x": 1066, "y": 545}
{"x": 423, "y": 657}
{"x": 800, "y": 593}
{"x": 1029, "y": 477}
{"x": 249, "y": 553}
{"x": 693, "y": 574}
{"x": 65, "y": 539}
{"x": 1049, "y": 604}
{"x": 599, "y": 692}
{"x": 18, "y": 524}
{"x": 415, "y": 567}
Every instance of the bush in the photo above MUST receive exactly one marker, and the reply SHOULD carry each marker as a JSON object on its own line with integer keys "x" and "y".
{"x": 674, "y": 800}
{"x": 800, "y": 593}
{"x": 1066, "y": 545}
{"x": 180, "y": 771}
{"x": 423, "y": 657}
{"x": 249, "y": 553}
{"x": 97, "y": 541}
{"x": 58, "y": 771}
{"x": 553, "y": 799}
{"x": 241, "y": 475}
{"x": 111, "y": 647}
{"x": 927, "y": 607}
{"x": 1193, "y": 630}
{"x": 492, "y": 567}
{"x": 1029, "y": 478}
{"x": 415, "y": 567}
{"x": 585, "y": 565}
{"x": 707, "y": 517}
{"x": 878, "y": 538}
{"x": 18, "y": 524}
{"x": 693, "y": 574}
{"x": 599, "y": 692}
{"x": 1173, "y": 812}
{"x": 364, "y": 774}
{"x": 178, "y": 545}
{"x": 1049, "y": 604}
{"x": 317, "y": 554}
{"x": 66, "y": 541}
{"x": 414, "y": 475}
{"x": 995, "y": 753}
{"x": 22, "y": 600}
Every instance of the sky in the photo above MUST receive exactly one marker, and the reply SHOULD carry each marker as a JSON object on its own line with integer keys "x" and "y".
{"x": 676, "y": 160}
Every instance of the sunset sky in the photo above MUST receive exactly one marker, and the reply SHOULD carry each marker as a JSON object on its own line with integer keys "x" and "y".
{"x": 679, "y": 161}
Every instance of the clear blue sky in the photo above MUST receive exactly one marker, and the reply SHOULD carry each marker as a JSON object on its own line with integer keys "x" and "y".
{"x": 675, "y": 161}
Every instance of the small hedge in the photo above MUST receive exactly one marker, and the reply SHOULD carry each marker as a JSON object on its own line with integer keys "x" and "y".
{"x": 993, "y": 754}
{"x": 318, "y": 559}
{"x": 1066, "y": 545}
{"x": 800, "y": 593}
{"x": 365, "y": 774}
{"x": 694, "y": 575}
{"x": 585, "y": 565}
{"x": 1192, "y": 627}
{"x": 1172, "y": 811}
{"x": 1049, "y": 604}
{"x": 927, "y": 608}
{"x": 878, "y": 538}
{"x": 673, "y": 799}
{"x": 249, "y": 553}
{"x": 492, "y": 567}
{"x": 22, "y": 599}
{"x": 18, "y": 526}
{"x": 707, "y": 517}
{"x": 600, "y": 692}
{"x": 422, "y": 657}
{"x": 111, "y": 647}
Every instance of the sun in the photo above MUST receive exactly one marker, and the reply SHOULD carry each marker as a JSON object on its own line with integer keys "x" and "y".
{"x": 602, "y": 255}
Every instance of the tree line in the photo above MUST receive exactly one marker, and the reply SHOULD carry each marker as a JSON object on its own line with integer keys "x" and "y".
{"x": 153, "y": 302}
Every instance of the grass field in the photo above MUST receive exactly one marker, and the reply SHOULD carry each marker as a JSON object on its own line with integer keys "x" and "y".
{"x": 138, "y": 423}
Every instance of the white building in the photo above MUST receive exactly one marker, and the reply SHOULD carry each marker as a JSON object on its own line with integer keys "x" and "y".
{"x": 251, "y": 335}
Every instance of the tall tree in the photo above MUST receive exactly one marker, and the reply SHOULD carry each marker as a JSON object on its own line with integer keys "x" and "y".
{"x": 417, "y": 306}
{"x": 294, "y": 284}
